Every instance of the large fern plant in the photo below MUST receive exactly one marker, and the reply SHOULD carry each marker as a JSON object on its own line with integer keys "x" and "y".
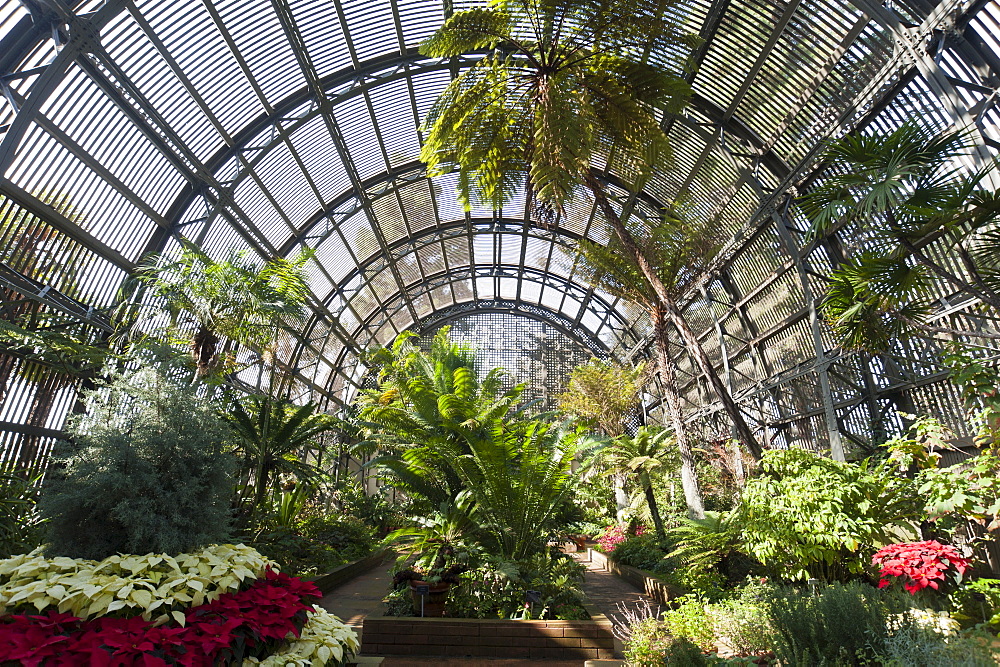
{"x": 429, "y": 409}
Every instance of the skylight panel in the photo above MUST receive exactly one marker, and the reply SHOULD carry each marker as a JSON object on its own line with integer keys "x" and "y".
{"x": 262, "y": 43}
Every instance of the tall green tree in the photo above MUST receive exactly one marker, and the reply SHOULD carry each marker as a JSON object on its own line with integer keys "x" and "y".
{"x": 557, "y": 91}
{"x": 236, "y": 298}
{"x": 681, "y": 249}
{"x": 605, "y": 394}
{"x": 914, "y": 206}
{"x": 637, "y": 456}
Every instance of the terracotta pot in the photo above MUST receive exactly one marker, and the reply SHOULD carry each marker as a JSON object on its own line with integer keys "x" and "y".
{"x": 433, "y": 602}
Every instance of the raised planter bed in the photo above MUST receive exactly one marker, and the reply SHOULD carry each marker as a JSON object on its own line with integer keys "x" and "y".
{"x": 339, "y": 575}
{"x": 641, "y": 579}
{"x": 488, "y": 638}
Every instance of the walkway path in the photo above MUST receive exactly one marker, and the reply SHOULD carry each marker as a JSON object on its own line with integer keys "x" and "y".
{"x": 362, "y": 596}
{"x": 605, "y": 592}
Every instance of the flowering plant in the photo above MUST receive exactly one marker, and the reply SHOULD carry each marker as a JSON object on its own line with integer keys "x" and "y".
{"x": 919, "y": 564}
{"x": 615, "y": 535}
{"x": 254, "y": 622}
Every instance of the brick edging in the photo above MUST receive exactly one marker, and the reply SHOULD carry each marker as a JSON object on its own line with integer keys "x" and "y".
{"x": 474, "y": 637}
{"x": 344, "y": 573}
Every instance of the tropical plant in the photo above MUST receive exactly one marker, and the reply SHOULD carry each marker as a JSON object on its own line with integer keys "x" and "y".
{"x": 710, "y": 544}
{"x": 637, "y": 456}
{"x": 236, "y": 298}
{"x": 429, "y": 410}
{"x": 147, "y": 471}
{"x": 810, "y": 516}
{"x": 556, "y": 91}
{"x": 519, "y": 478}
{"x": 270, "y": 437}
{"x": 905, "y": 190}
{"x": 442, "y": 538}
{"x": 604, "y": 393}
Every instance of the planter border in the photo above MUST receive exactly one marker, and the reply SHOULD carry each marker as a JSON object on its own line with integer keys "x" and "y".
{"x": 344, "y": 573}
{"x": 488, "y": 638}
{"x": 641, "y": 579}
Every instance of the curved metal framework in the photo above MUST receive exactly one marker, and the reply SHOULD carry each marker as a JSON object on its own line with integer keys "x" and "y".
{"x": 277, "y": 125}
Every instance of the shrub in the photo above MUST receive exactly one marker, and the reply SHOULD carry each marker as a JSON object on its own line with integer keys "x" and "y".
{"x": 915, "y": 645}
{"x": 809, "y": 516}
{"x": 977, "y": 601}
{"x": 616, "y": 534}
{"x": 20, "y": 531}
{"x": 841, "y": 624}
{"x": 645, "y": 644}
{"x": 684, "y": 653}
{"x": 741, "y": 623}
{"x": 689, "y": 619}
{"x": 148, "y": 473}
{"x": 645, "y": 552}
{"x": 348, "y": 535}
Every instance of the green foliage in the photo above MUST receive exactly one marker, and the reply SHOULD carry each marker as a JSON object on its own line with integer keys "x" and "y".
{"x": 20, "y": 530}
{"x": 684, "y": 653}
{"x": 809, "y": 516}
{"x": 496, "y": 588}
{"x": 645, "y": 644}
{"x": 635, "y": 457}
{"x": 976, "y": 601}
{"x": 429, "y": 410}
{"x": 969, "y": 491}
{"x": 978, "y": 381}
{"x": 742, "y": 621}
{"x": 148, "y": 473}
{"x": 544, "y": 102}
{"x": 270, "y": 436}
{"x": 923, "y": 647}
{"x": 374, "y": 509}
{"x": 689, "y": 620}
{"x": 604, "y": 393}
{"x": 842, "y": 624}
{"x": 903, "y": 190}
{"x": 874, "y": 300}
{"x": 237, "y": 297}
{"x": 645, "y": 552}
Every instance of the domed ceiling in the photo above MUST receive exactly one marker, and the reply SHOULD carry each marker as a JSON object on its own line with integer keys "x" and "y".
{"x": 283, "y": 125}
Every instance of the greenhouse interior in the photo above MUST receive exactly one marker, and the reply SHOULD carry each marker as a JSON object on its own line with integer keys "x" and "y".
{"x": 582, "y": 332}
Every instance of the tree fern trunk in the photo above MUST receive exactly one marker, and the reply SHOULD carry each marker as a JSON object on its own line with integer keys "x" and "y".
{"x": 675, "y": 316}
{"x": 654, "y": 509}
{"x": 668, "y": 375}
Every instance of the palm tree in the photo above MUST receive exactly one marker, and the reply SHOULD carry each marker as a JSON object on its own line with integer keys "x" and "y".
{"x": 905, "y": 192}
{"x": 639, "y": 455}
{"x": 234, "y": 298}
{"x": 556, "y": 92}
{"x": 682, "y": 250}
{"x": 270, "y": 436}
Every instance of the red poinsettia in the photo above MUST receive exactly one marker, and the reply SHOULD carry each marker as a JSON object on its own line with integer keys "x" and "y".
{"x": 919, "y": 565}
{"x": 234, "y": 626}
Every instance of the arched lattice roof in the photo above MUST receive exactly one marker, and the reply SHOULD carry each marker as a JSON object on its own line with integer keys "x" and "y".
{"x": 277, "y": 125}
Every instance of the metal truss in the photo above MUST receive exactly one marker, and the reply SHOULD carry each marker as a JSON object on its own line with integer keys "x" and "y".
{"x": 305, "y": 139}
